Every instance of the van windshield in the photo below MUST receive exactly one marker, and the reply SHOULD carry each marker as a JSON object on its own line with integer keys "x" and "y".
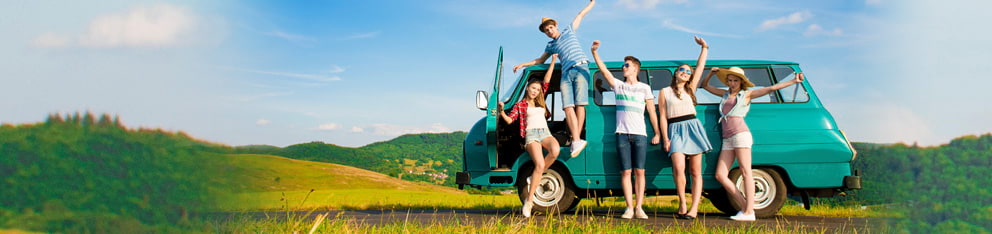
{"x": 507, "y": 91}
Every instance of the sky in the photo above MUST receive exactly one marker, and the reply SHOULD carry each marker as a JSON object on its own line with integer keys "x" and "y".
{"x": 357, "y": 72}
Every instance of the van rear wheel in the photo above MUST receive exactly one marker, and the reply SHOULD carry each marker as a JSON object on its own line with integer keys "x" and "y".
{"x": 769, "y": 191}
{"x": 554, "y": 194}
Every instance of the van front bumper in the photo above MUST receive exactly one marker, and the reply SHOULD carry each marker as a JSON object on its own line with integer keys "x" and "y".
{"x": 462, "y": 178}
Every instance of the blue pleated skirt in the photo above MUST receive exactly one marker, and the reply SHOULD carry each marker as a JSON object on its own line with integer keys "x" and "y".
{"x": 688, "y": 137}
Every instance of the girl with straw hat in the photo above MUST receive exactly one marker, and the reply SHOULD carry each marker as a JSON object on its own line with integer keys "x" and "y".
{"x": 737, "y": 138}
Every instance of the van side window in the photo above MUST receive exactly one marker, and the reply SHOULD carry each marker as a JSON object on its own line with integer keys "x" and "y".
{"x": 603, "y": 94}
{"x": 757, "y": 75}
{"x": 792, "y": 94}
{"x": 660, "y": 78}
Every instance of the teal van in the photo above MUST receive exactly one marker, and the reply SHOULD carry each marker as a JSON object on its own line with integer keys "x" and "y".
{"x": 797, "y": 150}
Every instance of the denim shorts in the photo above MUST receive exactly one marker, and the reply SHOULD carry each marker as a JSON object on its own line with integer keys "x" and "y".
{"x": 632, "y": 150}
{"x": 575, "y": 86}
{"x": 739, "y": 140}
{"x": 537, "y": 135}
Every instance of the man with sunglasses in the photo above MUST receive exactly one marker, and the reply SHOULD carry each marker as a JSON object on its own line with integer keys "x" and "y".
{"x": 574, "y": 69}
{"x": 632, "y": 98}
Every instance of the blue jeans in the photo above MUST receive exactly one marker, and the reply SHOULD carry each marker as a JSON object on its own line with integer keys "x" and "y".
{"x": 632, "y": 148}
{"x": 575, "y": 86}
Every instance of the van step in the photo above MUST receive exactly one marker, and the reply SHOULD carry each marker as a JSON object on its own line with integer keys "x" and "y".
{"x": 501, "y": 169}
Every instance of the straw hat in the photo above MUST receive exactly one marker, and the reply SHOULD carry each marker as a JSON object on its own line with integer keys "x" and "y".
{"x": 737, "y": 71}
{"x": 543, "y": 21}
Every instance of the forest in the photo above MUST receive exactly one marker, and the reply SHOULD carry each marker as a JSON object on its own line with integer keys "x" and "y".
{"x": 935, "y": 189}
{"x": 82, "y": 173}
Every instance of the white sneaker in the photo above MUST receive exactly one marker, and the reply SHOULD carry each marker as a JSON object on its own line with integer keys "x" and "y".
{"x": 528, "y": 205}
{"x": 628, "y": 214}
{"x": 639, "y": 213}
{"x": 741, "y": 217}
{"x": 577, "y": 147}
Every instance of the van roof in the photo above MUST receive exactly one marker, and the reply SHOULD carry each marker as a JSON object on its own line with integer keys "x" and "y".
{"x": 673, "y": 63}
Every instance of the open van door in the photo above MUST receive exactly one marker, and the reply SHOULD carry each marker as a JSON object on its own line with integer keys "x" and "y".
{"x": 492, "y": 114}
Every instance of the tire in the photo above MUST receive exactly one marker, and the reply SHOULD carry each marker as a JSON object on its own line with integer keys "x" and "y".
{"x": 554, "y": 195}
{"x": 721, "y": 200}
{"x": 769, "y": 192}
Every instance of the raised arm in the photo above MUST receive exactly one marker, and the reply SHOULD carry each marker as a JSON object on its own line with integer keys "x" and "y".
{"x": 763, "y": 91}
{"x": 708, "y": 87}
{"x": 551, "y": 69}
{"x": 538, "y": 60}
{"x": 700, "y": 64}
{"x": 607, "y": 75}
{"x": 582, "y": 14}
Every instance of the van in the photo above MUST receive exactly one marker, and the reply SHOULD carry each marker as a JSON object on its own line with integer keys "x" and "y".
{"x": 798, "y": 149}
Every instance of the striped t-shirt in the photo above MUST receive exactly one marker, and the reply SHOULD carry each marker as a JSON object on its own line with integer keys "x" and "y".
{"x": 631, "y": 101}
{"x": 568, "y": 49}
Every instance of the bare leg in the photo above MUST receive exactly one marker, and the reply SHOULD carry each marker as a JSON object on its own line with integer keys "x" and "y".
{"x": 744, "y": 161}
{"x": 551, "y": 145}
{"x": 571, "y": 123}
{"x": 723, "y": 175}
{"x": 534, "y": 149}
{"x": 627, "y": 190}
{"x": 678, "y": 172}
{"x": 696, "y": 169}
{"x": 639, "y": 187}
{"x": 580, "y": 114}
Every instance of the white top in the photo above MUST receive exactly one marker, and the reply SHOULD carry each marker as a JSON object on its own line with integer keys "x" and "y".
{"x": 631, "y": 101}
{"x": 535, "y": 118}
{"x": 674, "y": 106}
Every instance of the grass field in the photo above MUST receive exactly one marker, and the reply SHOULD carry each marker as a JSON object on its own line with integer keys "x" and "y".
{"x": 275, "y": 183}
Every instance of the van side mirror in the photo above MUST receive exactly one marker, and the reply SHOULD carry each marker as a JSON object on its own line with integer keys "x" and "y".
{"x": 481, "y": 100}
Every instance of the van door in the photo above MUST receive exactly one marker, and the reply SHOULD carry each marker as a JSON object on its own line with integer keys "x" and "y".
{"x": 492, "y": 116}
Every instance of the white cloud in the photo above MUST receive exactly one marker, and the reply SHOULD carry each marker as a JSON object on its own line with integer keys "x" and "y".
{"x": 817, "y": 30}
{"x": 362, "y": 35}
{"x": 290, "y": 37}
{"x": 646, "y": 4}
{"x": 336, "y": 69}
{"x": 264, "y": 95}
{"x": 156, "y": 26}
{"x": 670, "y": 25}
{"x": 50, "y": 40}
{"x": 329, "y": 127}
{"x": 793, "y": 18}
{"x": 309, "y": 77}
{"x": 262, "y": 122}
{"x": 357, "y": 129}
{"x": 396, "y": 130}
{"x": 883, "y": 123}
{"x": 873, "y": 2}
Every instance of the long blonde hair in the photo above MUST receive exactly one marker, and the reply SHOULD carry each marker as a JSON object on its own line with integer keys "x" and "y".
{"x": 675, "y": 90}
{"x": 539, "y": 101}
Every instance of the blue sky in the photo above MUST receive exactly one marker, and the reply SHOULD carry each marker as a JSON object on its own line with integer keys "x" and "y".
{"x": 356, "y": 72}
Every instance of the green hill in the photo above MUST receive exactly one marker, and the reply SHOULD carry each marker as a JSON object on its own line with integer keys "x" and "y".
{"x": 946, "y": 188}
{"x": 80, "y": 173}
{"x": 267, "y": 173}
{"x": 429, "y": 157}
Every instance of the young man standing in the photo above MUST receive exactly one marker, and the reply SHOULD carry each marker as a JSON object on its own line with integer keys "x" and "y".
{"x": 633, "y": 98}
{"x": 574, "y": 69}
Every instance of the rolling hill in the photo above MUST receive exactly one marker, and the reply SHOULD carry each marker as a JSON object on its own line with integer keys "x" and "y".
{"x": 427, "y": 157}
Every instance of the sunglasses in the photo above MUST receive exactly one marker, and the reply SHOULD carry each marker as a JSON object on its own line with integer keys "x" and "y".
{"x": 626, "y": 65}
{"x": 682, "y": 69}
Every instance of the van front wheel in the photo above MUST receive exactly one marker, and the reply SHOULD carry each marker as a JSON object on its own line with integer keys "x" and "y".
{"x": 554, "y": 193}
{"x": 769, "y": 191}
